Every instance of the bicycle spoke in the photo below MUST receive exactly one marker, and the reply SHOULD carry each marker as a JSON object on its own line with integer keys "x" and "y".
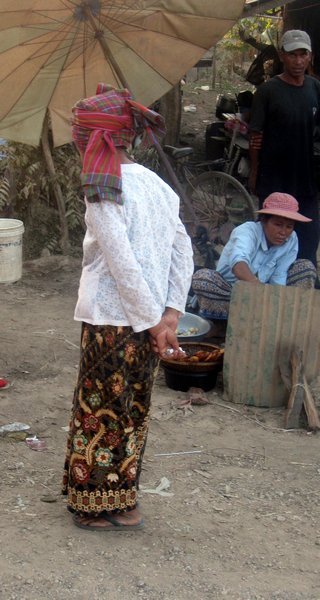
{"x": 220, "y": 203}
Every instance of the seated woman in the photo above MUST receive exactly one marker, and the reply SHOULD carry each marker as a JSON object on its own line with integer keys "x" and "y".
{"x": 259, "y": 252}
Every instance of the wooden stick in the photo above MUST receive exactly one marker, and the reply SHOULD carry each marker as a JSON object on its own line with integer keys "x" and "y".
{"x": 296, "y": 398}
{"x": 310, "y": 407}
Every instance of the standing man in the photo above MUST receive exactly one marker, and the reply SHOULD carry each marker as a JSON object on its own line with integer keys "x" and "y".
{"x": 285, "y": 111}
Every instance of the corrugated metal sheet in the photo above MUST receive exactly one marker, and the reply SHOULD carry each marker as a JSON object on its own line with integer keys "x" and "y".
{"x": 266, "y": 324}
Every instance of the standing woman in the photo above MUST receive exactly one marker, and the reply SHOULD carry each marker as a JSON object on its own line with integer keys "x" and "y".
{"x": 136, "y": 273}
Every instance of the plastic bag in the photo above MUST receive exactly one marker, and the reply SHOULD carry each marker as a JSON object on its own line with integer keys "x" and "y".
{"x": 257, "y": 71}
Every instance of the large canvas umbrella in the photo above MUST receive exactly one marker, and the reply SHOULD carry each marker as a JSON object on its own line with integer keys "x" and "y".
{"x": 53, "y": 52}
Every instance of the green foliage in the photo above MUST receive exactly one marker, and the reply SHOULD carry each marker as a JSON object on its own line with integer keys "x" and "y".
{"x": 148, "y": 157}
{"x": 263, "y": 29}
{"x": 68, "y": 169}
{"x": 234, "y": 55}
{"x": 26, "y": 192}
{"x": 4, "y": 192}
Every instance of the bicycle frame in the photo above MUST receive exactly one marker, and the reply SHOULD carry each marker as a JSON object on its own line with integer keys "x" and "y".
{"x": 238, "y": 146}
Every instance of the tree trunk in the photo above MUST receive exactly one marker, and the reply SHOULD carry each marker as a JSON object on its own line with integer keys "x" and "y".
{"x": 260, "y": 7}
{"x": 64, "y": 237}
{"x": 7, "y": 211}
{"x": 214, "y": 68}
{"x": 170, "y": 109}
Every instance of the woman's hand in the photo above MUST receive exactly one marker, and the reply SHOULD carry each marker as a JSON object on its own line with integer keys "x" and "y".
{"x": 171, "y": 318}
{"x": 163, "y": 335}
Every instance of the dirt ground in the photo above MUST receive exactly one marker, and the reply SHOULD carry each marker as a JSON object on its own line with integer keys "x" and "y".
{"x": 239, "y": 518}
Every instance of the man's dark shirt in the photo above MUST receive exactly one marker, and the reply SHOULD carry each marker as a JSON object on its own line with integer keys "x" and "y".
{"x": 287, "y": 115}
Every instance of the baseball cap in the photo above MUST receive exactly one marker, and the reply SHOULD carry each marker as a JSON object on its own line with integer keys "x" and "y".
{"x": 294, "y": 39}
{"x": 282, "y": 205}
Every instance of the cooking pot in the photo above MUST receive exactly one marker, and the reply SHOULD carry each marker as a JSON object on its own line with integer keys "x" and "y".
{"x": 182, "y": 375}
{"x": 182, "y": 382}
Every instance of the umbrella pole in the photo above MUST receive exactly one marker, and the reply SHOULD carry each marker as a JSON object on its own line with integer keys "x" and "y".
{"x": 99, "y": 35}
{"x": 174, "y": 179}
{"x": 108, "y": 55}
{"x": 64, "y": 238}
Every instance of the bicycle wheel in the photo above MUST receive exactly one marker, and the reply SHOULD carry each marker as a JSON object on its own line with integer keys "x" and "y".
{"x": 220, "y": 203}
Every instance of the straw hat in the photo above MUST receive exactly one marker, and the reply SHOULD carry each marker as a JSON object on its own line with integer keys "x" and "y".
{"x": 282, "y": 205}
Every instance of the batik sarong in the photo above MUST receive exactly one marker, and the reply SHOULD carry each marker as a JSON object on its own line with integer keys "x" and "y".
{"x": 213, "y": 292}
{"x": 109, "y": 423}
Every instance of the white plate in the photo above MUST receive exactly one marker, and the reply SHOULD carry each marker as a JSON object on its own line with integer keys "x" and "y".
{"x": 189, "y": 322}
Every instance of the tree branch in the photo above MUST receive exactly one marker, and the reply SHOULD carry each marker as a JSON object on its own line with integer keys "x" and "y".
{"x": 260, "y": 6}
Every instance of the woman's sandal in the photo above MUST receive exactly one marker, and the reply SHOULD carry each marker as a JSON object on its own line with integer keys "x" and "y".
{"x": 112, "y": 524}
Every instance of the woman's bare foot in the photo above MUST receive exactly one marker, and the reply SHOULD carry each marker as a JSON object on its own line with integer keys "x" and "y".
{"x": 131, "y": 517}
{"x": 92, "y": 522}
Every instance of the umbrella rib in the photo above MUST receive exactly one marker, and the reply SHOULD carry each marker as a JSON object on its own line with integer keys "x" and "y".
{"x": 79, "y": 33}
{"x": 76, "y": 4}
{"x": 136, "y": 28}
{"x": 84, "y": 48}
{"x": 77, "y": 50}
{"x": 35, "y": 55}
{"x": 20, "y": 96}
{"x": 103, "y": 20}
{"x": 73, "y": 49}
{"x": 84, "y": 67}
{"x": 116, "y": 36}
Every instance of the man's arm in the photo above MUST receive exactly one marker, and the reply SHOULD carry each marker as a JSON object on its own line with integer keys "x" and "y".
{"x": 257, "y": 125}
{"x": 255, "y": 143}
{"x": 249, "y": 39}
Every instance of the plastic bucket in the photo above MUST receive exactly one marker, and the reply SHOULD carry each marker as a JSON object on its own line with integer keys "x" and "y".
{"x": 11, "y": 231}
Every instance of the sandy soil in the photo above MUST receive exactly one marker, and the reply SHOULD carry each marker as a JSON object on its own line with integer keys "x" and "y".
{"x": 241, "y": 516}
{"x": 242, "y": 520}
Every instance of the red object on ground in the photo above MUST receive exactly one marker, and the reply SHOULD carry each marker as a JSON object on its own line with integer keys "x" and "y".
{"x": 3, "y": 383}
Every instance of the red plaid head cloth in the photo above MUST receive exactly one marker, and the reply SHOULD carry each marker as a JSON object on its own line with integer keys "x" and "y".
{"x": 100, "y": 124}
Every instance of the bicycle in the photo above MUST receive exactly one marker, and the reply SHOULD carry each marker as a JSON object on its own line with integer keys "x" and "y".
{"x": 219, "y": 200}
